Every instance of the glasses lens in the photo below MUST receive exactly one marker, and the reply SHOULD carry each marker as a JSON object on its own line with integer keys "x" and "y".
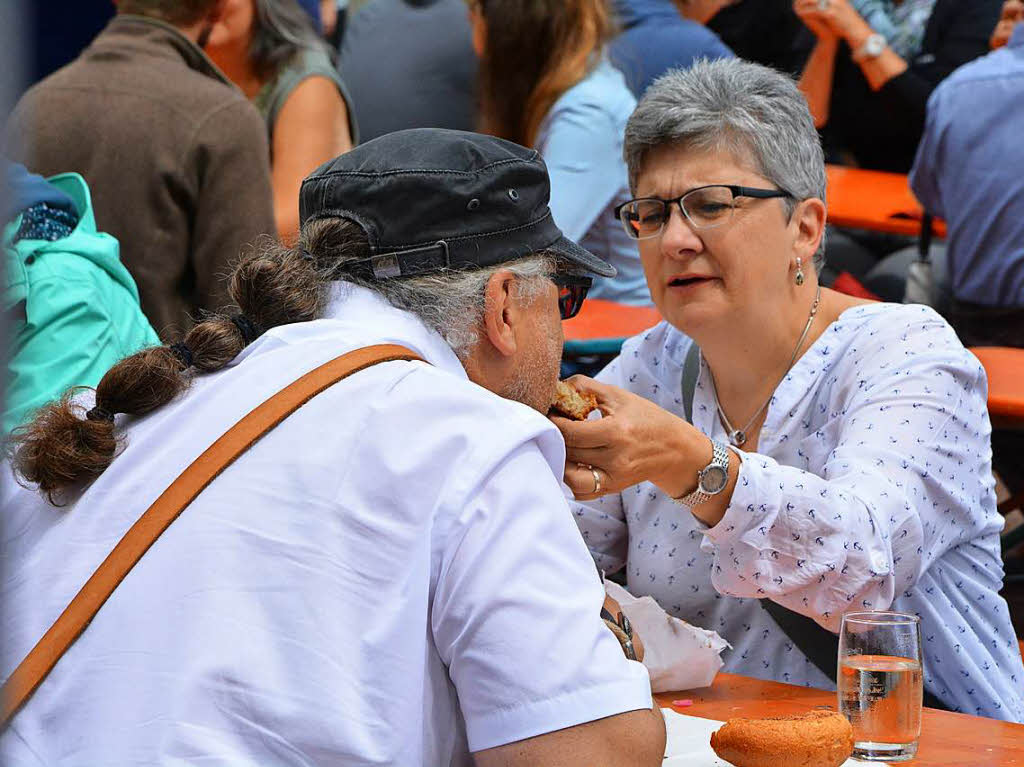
{"x": 644, "y": 218}
{"x": 708, "y": 207}
{"x": 571, "y": 292}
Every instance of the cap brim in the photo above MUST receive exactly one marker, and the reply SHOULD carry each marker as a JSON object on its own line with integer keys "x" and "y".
{"x": 581, "y": 257}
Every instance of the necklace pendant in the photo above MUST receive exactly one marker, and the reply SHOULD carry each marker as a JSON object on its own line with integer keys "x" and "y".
{"x": 738, "y": 438}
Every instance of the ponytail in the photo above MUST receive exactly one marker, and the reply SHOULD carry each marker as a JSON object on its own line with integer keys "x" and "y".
{"x": 65, "y": 446}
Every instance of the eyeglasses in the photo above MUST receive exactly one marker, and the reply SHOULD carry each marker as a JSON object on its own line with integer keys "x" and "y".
{"x": 704, "y": 207}
{"x": 572, "y": 289}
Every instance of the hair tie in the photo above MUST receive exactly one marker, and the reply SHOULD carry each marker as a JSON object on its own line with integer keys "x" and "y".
{"x": 306, "y": 255}
{"x": 247, "y": 328}
{"x": 99, "y": 414}
{"x": 183, "y": 353}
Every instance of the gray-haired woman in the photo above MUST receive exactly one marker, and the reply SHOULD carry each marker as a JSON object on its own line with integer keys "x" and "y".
{"x": 838, "y": 456}
{"x": 269, "y": 49}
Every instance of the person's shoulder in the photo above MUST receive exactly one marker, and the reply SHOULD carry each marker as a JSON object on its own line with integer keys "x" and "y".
{"x": 914, "y": 333}
{"x": 602, "y": 93}
{"x": 662, "y": 348}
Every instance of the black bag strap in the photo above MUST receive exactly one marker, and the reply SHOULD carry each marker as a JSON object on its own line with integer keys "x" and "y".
{"x": 691, "y": 370}
{"x": 818, "y": 644}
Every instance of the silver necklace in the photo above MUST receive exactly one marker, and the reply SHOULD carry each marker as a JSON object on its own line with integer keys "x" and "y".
{"x": 739, "y": 436}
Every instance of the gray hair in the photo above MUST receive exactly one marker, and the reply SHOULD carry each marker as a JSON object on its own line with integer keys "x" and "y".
{"x": 744, "y": 108}
{"x": 451, "y": 302}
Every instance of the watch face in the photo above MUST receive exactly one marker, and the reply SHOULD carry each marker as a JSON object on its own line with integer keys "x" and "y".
{"x": 714, "y": 479}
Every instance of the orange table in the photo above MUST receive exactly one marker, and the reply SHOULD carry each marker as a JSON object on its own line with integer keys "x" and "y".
{"x": 956, "y": 740}
{"x": 875, "y": 200}
{"x": 601, "y": 326}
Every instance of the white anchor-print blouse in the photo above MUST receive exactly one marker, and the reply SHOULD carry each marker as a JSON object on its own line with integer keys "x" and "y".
{"x": 871, "y": 488}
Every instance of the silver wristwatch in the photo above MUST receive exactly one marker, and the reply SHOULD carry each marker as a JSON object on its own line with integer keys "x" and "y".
{"x": 872, "y": 48}
{"x": 711, "y": 480}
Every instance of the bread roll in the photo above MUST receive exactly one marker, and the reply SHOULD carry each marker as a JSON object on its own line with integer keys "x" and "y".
{"x": 573, "y": 403}
{"x": 815, "y": 739}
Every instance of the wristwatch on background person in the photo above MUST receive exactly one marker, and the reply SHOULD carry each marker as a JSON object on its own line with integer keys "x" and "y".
{"x": 873, "y": 47}
{"x": 711, "y": 480}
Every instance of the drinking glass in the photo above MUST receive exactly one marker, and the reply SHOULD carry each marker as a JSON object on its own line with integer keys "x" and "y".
{"x": 880, "y": 683}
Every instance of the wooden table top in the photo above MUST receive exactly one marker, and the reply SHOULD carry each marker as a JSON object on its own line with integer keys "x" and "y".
{"x": 947, "y": 739}
{"x": 875, "y": 200}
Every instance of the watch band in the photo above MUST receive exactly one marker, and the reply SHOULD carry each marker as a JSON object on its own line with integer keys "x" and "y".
{"x": 703, "y": 493}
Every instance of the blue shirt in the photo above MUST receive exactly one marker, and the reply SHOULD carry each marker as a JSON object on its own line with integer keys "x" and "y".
{"x": 656, "y": 38}
{"x": 871, "y": 488}
{"x": 580, "y": 140}
{"x": 970, "y": 171}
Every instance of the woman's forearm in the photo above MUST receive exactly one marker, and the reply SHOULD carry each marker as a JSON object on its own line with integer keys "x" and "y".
{"x": 816, "y": 80}
{"x": 877, "y": 70}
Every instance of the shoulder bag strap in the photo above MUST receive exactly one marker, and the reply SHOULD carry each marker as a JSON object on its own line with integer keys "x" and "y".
{"x": 691, "y": 370}
{"x": 83, "y": 608}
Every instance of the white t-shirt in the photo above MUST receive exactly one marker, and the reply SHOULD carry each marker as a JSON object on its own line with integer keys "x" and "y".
{"x": 389, "y": 577}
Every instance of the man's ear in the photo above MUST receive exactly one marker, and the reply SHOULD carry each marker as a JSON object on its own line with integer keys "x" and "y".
{"x": 501, "y": 312}
{"x": 809, "y": 219}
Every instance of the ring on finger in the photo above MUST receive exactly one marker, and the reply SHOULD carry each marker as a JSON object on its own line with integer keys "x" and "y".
{"x": 597, "y": 481}
{"x": 823, "y": 5}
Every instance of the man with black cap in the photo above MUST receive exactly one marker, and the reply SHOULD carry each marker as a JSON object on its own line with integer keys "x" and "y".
{"x": 391, "y": 575}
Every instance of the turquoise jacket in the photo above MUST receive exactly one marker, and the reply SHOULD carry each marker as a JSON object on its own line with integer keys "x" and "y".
{"x": 73, "y": 310}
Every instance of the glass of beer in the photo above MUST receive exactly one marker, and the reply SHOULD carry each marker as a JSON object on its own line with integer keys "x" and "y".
{"x": 880, "y": 683}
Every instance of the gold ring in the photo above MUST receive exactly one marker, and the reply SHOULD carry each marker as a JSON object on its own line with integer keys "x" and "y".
{"x": 597, "y": 481}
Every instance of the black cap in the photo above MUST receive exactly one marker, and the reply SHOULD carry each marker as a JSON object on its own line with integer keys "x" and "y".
{"x": 430, "y": 199}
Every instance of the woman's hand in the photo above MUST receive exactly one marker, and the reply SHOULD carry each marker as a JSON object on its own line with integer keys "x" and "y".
{"x": 634, "y": 441}
{"x": 832, "y": 19}
{"x": 1013, "y": 14}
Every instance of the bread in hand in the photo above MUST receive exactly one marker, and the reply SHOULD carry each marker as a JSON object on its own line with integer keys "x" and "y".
{"x": 573, "y": 403}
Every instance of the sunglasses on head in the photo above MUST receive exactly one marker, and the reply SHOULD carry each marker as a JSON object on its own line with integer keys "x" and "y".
{"x": 572, "y": 289}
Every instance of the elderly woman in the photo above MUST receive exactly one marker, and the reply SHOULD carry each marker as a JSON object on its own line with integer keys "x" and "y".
{"x": 838, "y": 456}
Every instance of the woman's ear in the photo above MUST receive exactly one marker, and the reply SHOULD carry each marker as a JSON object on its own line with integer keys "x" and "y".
{"x": 809, "y": 219}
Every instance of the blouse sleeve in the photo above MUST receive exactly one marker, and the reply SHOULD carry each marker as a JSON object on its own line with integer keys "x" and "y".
{"x": 963, "y": 38}
{"x": 904, "y": 483}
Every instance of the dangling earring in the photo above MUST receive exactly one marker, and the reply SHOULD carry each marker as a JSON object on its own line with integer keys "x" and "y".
{"x": 799, "y": 271}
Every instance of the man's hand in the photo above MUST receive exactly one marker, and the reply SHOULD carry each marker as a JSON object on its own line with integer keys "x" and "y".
{"x": 613, "y": 607}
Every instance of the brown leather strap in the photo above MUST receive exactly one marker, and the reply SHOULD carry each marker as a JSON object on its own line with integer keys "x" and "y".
{"x": 83, "y": 608}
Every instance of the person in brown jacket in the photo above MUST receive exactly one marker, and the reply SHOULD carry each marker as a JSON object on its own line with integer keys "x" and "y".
{"x": 175, "y": 155}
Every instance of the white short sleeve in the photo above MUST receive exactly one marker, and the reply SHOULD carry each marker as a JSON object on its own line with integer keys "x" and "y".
{"x": 516, "y": 613}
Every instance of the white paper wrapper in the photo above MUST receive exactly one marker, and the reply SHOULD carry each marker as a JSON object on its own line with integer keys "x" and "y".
{"x": 678, "y": 656}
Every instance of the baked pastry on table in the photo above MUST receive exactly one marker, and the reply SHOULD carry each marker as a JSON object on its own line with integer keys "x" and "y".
{"x": 815, "y": 739}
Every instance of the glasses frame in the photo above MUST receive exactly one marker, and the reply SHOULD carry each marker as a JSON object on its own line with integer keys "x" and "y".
{"x": 737, "y": 191}
{"x": 577, "y": 285}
